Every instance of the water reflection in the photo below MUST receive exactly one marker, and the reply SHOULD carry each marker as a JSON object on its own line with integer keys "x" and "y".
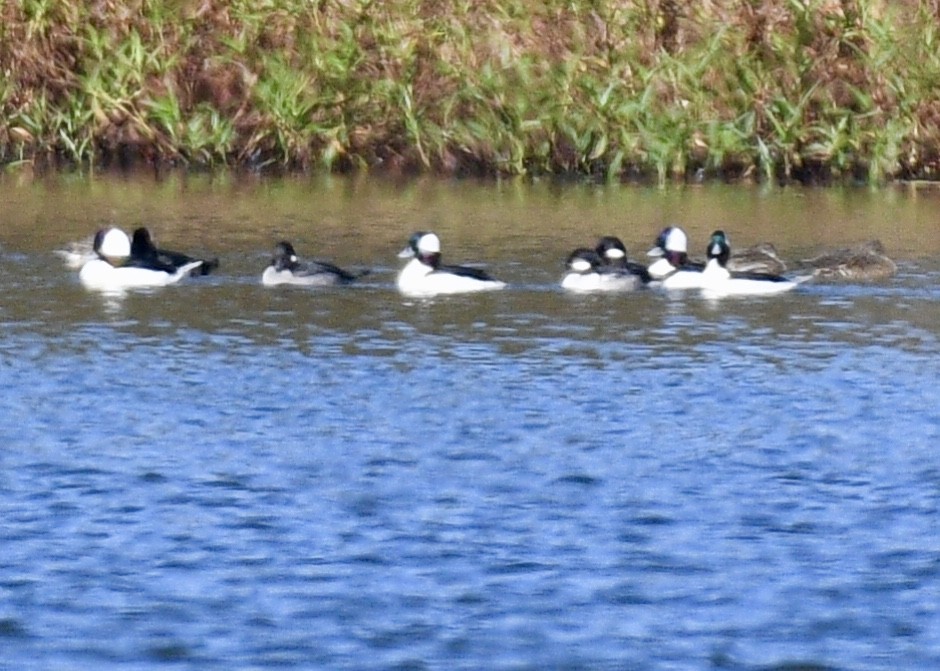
{"x": 370, "y": 217}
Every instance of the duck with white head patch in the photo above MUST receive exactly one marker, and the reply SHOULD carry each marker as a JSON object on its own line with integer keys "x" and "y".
{"x": 286, "y": 268}
{"x": 614, "y": 259}
{"x": 583, "y": 274}
{"x": 588, "y": 272}
{"x": 116, "y": 269}
{"x": 719, "y": 281}
{"x": 425, "y": 276}
{"x": 674, "y": 270}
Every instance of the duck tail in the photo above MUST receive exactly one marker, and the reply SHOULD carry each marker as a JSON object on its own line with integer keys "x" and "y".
{"x": 187, "y": 268}
{"x": 208, "y": 266}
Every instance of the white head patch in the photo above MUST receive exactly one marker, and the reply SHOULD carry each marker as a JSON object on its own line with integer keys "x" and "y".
{"x": 580, "y": 265}
{"x": 677, "y": 241}
{"x": 429, "y": 244}
{"x": 115, "y": 244}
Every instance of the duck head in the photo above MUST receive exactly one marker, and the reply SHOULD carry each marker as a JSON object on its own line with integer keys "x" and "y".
{"x": 424, "y": 246}
{"x": 583, "y": 261}
{"x": 285, "y": 258}
{"x": 113, "y": 246}
{"x": 612, "y": 251}
{"x": 719, "y": 248}
{"x": 673, "y": 244}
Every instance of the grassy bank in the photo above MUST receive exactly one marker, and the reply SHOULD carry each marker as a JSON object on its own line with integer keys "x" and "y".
{"x": 664, "y": 90}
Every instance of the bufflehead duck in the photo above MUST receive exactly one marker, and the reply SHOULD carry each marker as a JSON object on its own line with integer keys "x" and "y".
{"x": 717, "y": 280}
{"x": 286, "y": 268}
{"x": 587, "y": 273}
{"x": 115, "y": 269}
{"x": 866, "y": 261}
{"x": 424, "y": 275}
{"x": 674, "y": 270}
{"x": 144, "y": 252}
{"x": 613, "y": 255}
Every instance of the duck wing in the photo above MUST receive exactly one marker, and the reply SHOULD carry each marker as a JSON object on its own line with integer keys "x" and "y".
{"x": 629, "y": 269}
{"x": 325, "y": 267}
{"x": 177, "y": 259}
{"x": 466, "y": 271}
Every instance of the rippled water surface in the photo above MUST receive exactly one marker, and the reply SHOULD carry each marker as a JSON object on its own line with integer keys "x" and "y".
{"x": 221, "y": 475}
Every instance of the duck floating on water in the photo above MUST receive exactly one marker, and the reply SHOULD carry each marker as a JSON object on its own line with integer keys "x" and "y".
{"x": 113, "y": 260}
{"x": 287, "y": 268}
{"x": 604, "y": 268}
{"x": 425, "y": 276}
{"x": 613, "y": 254}
{"x": 718, "y": 280}
{"x": 587, "y": 273}
{"x": 143, "y": 250}
{"x": 865, "y": 261}
{"x": 673, "y": 269}
{"x": 115, "y": 268}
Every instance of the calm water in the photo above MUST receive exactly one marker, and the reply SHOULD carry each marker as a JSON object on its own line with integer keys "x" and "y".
{"x": 218, "y": 475}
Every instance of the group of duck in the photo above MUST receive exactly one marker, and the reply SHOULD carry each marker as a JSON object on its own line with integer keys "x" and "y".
{"x": 117, "y": 261}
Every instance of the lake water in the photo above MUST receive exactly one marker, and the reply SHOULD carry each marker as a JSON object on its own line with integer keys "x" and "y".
{"x": 221, "y": 475}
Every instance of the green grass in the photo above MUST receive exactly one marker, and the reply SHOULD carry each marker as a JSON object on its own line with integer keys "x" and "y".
{"x": 784, "y": 90}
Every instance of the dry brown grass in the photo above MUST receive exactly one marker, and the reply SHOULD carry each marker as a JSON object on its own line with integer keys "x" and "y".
{"x": 805, "y": 89}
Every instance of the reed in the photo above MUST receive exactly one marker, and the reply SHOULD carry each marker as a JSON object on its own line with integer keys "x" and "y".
{"x": 786, "y": 90}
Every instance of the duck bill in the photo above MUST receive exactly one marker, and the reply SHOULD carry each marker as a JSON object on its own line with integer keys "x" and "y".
{"x": 406, "y": 253}
{"x": 655, "y": 251}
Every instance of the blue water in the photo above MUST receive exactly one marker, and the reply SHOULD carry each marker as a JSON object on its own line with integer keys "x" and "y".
{"x": 217, "y": 475}
{"x": 465, "y": 484}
